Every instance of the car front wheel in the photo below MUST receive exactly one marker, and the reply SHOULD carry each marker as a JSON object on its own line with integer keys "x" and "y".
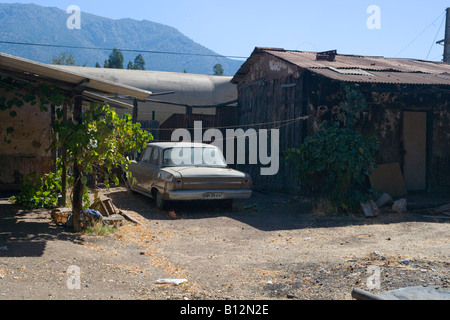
{"x": 128, "y": 186}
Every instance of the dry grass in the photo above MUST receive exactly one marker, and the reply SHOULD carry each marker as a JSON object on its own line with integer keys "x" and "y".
{"x": 100, "y": 229}
{"x": 323, "y": 206}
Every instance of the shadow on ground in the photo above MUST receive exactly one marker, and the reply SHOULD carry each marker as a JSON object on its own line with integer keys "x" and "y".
{"x": 269, "y": 212}
{"x": 25, "y": 233}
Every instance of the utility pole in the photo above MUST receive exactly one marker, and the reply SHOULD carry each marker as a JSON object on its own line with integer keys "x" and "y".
{"x": 446, "y": 41}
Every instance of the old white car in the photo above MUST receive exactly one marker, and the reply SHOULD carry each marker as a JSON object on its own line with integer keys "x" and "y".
{"x": 182, "y": 171}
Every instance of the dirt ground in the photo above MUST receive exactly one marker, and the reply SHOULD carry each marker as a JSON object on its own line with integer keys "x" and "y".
{"x": 270, "y": 247}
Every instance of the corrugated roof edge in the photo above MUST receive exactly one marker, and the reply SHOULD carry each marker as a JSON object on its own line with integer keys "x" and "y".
{"x": 260, "y": 50}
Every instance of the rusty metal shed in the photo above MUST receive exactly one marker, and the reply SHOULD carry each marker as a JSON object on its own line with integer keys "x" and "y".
{"x": 408, "y": 102}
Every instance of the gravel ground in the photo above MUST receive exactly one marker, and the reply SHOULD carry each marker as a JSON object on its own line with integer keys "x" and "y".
{"x": 270, "y": 247}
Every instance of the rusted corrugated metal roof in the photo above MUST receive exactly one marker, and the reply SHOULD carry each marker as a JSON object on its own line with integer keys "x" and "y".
{"x": 388, "y": 77}
{"x": 354, "y": 68}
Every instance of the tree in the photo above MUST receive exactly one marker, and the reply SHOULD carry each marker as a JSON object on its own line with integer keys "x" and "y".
{"x": 99, "y": 141}
{"x": 97, "y": 65}
{"x": 64, "y": 59}
{"x": 115, "y": 60}
{"x": 139, "y": 63}
{"x": 218, "y": 70}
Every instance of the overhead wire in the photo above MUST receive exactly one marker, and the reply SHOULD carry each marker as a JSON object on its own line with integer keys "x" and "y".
{"x": 123, "y": 50}
{"x": 434, "y": 41}
{"x": 282, "y": 123}
{"x": 398, "y": 54}
{"x": 249, "y": 134}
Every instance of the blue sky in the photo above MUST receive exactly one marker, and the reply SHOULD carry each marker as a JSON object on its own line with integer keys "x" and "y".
{"x": 408, "y": 29}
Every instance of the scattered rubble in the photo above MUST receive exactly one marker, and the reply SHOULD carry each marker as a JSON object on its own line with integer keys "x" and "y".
{"x": 372, "y": 208}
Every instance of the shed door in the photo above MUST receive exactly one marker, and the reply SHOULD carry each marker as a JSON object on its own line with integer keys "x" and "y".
{"x": 415, "y": 145}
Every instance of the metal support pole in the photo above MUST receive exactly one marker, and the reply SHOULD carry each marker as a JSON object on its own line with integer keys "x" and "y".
{"x": 446, "y": 41}
{"x": 447, "y": 38}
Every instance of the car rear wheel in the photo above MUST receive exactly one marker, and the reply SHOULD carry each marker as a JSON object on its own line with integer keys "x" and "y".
{"x": 159, "y": 200}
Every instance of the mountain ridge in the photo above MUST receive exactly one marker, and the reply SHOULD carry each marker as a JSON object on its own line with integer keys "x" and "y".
{"x": 31, "y": 23}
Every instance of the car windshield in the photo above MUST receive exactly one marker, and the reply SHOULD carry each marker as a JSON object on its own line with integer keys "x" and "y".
{"x": 193, "y": 156}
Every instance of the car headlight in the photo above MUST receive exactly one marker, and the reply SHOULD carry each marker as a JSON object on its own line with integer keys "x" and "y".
{"x": 165, "y": 176}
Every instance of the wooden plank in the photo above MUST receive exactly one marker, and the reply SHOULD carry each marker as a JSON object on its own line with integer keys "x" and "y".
{"x": 388, "y": 178}
{"x": 440, "y": 209}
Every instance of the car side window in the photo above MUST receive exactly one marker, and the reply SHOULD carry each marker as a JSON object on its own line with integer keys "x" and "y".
{"x": 146, "y": 155}
{"x": 154, "y": 160}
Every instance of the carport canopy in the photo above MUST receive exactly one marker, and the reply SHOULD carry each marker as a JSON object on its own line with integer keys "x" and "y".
{"x": 68, "y": 81}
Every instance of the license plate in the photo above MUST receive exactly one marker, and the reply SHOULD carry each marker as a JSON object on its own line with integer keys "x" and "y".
{"x": 213, "y": 195}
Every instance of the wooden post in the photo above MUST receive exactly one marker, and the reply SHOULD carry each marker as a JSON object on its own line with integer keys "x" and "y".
{"x": 135, "y": 111}
{"x": 78, "y": 189}
{"x": 64, "y": 160}
{"x": 52, "y": 121}
{"x": 190, "y": 124}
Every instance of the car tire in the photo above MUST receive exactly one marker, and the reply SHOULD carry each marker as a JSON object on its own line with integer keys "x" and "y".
{"x": 159, "y": 200}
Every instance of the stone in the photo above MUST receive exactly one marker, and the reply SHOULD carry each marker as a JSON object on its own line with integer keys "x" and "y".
{"x": 399, "y": 206}
{"x": 370, "y": 209}
{"x": 405, "y": 261}
{"x": 384, "y": 200}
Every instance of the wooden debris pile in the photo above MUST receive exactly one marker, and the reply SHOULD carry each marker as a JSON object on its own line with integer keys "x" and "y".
{"x": 437, "y": 212}
{"x": 110, "y": 213}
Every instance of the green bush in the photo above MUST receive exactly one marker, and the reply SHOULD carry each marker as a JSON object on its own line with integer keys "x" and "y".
{"x": 40, "y": 192}
{"x": 336, "y": 161}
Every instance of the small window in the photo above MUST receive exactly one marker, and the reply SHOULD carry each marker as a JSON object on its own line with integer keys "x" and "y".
{"x": 146, "y": 155}
{"x": 155, "y": 157}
